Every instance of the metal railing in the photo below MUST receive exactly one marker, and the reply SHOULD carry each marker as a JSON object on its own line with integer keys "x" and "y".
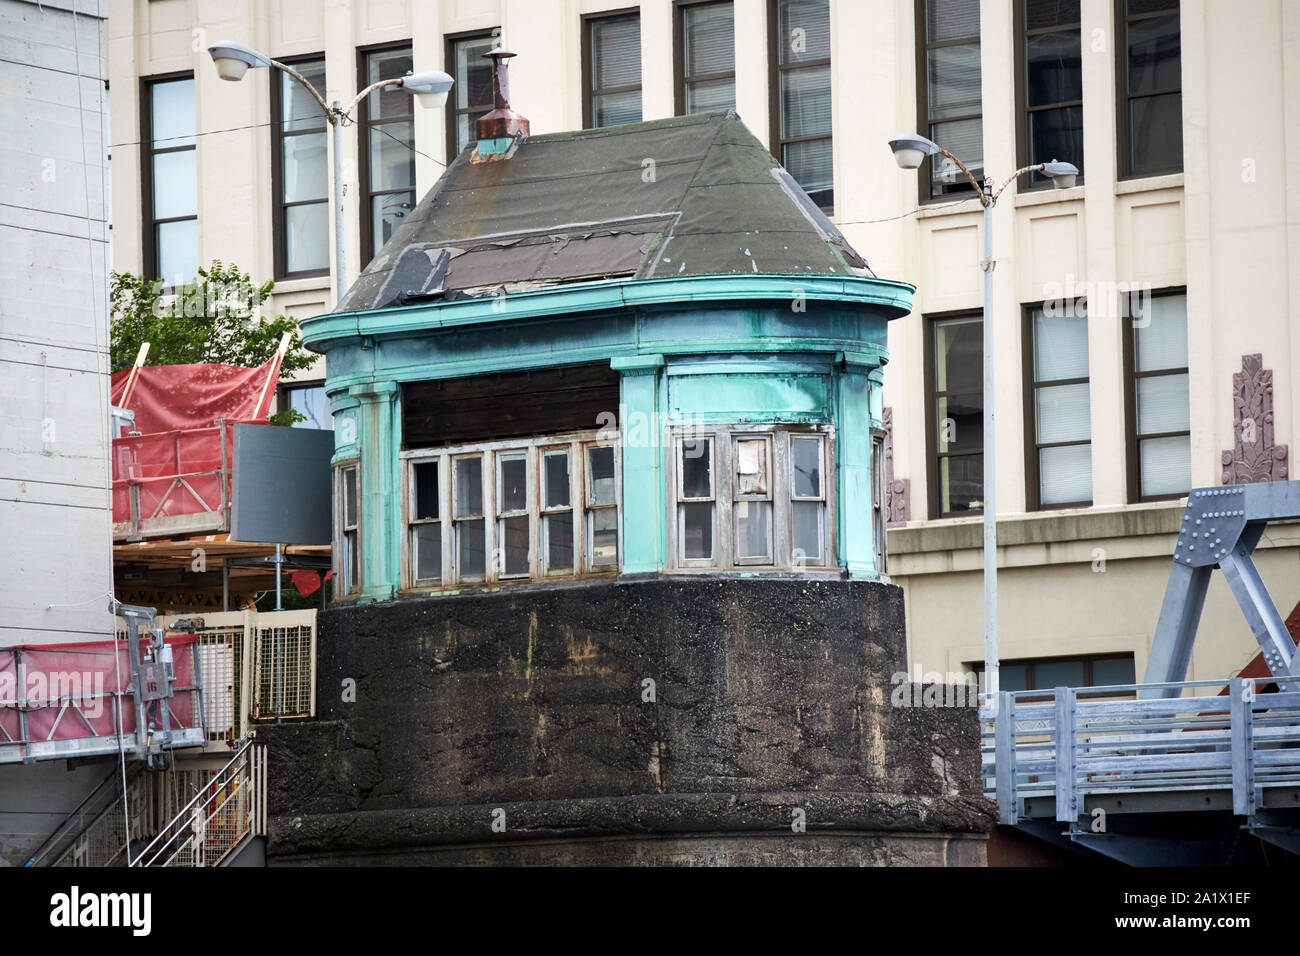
{"x": 1066, "y": 746}
{"x": 228, "y": 807}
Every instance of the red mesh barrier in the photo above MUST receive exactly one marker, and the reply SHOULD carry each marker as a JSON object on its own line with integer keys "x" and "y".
{"x": 170, "y": 397}
{"x": 86, "y": 675}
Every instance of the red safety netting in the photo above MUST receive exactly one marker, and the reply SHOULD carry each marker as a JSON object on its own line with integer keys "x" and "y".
{"x": 177, "y": 461}
{"x": 170, "y": 397}
{"x": 57, "y": 680}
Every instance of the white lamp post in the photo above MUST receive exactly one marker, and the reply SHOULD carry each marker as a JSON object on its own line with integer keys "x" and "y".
{"x": 430, "y": 88}
{"x": 909, "y": 151}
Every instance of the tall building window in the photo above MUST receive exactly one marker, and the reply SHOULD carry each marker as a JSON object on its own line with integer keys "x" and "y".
{"x": 171, "y": 189}
{"x": 801, "y": 95}
{"x": 948, "y": 78}
{"x": 706, "y": 57}
{"x": 1149, "y": 80}
{"x": 471, "y": 96}
{"x": 1050, "y": 84}
{"x": 300, "y": 172}
{"x": 387, "y": 148}
{"x": 1057, "y": 414}
{"x": 612, "y": 68}
{"x": 1159, "y": 401}
{"x": 956, "y": 418}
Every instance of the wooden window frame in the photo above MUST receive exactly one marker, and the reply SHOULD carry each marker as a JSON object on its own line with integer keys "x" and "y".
{"x": 1123, "y": 128}
{"x": 576, "y": 444}
{"x": 347, "y": 588}
{"x": 775, "y": 69}
{"x": 932, "y": 453}
{"x": 722, "y": 440}
{"x": 450, "y": 42}
{"x": 923, "y": 48}
{"x": 1132, "y": 439}
{"x": 1030, "y": 385}
{"x": 149, "y": 243}
{"x": 364, "y": 124}
{"x": 589, "y": 90}
{"x": 680, "y": 80}
{"x": 278, "y": 232}
{"x": 1023, "y": 109}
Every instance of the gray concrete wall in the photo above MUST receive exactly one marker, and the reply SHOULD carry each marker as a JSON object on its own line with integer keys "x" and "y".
{"x": 55, "y": 534}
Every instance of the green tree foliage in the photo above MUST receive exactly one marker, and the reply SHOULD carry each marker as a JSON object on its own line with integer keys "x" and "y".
{"x": 216, "y": 318}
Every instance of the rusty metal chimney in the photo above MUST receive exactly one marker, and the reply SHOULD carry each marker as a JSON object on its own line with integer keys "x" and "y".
{"x": 502, "y": 122}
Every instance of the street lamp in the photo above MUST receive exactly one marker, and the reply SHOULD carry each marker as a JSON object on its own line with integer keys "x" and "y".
{"x": 430, "y": 89}
{"x": 909, "y": 151}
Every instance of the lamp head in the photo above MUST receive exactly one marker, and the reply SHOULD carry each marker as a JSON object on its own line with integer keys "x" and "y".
{"x": 234, "y": 59}
{"x": 430, "y": 87}
{"x": 910, "y": 150}
{"x": 1063, "y": 174}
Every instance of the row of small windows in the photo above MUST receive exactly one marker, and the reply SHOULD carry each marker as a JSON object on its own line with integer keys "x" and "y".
{"x": 1057, "y": 401}
{"x": 743, "y": 497}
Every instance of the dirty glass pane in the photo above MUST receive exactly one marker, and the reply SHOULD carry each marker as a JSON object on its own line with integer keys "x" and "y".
{"x": 753, "y": 529}
{"x": 471, "y": 548}
{"x": 351, "y": 561}
{"x": 604, "y": 538}
{"x": 1061, "y": 673}
{"x": 697, "y": 530}
{"x": 806, "y": 456}
{"x": 806, "y": 536}
{"x": 600, "y": 476}
{"x": 349, "y": 497}
{"x": 469, "y": 487}
{"x": 426, "y": 490}
{"x": 427, "y": 542}
{"x": 559, "y": 541}
{"x": 514, "y": 545}
{"x": 513, "y": 489}
{"x": 697, "y": 468}
{"x": 751, "y": 467}
{"x": 1116, "y": 670}
{"x": 556, "y": 472}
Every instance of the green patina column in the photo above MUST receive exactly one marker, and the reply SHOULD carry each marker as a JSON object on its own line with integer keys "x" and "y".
{"x": 858, "y": 414}
{"x": 381, "y": 522}
{"x": 644, "y": 530}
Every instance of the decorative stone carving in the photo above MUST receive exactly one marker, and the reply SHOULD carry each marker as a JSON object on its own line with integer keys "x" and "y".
{"x": 898, "y": 491}
{"x": 1253, "y": 457}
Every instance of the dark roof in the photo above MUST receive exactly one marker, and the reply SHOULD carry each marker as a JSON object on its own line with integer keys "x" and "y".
{"x": 691, "y": 195}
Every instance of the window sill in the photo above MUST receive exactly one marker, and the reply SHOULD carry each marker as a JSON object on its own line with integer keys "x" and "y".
{"x": 1047, "y": 196}
{"x": 316, "y": 283}
{"x": 1127, "y": 187}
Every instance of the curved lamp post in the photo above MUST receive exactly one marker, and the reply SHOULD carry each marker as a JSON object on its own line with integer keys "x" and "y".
{"x": 430, "y": 88}
{"x": 909, "y": 151}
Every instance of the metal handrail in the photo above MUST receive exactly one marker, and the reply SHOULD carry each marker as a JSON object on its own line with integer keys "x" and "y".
{"x": 182, "y": 819}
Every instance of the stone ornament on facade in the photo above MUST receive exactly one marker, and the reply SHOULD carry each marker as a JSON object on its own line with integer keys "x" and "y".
{"x": 1254, "y": 457}
{"x": 898, "y": 491}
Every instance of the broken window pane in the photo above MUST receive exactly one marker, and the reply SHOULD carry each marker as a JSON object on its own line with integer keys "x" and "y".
{"x": 469, "y": 487}
{"x": 514, "y": 483}
{"x": 557, "y": 479}
{"x": 604, "y": 538}
{"x": 753, "y": 529}
{"x": 559, "y": 539}
{"x": 697, "y": 530}
{"x": 697, "y": 468}
{"x": 470, "y": 548}
{"x": 428, "y": 552}
{"x": 426, "y": 490}
{"x": 806, "y": 453}
{"x": 600, "y": 480}
{"x": 514, "y": 543}
{"x": 751, "y": 467}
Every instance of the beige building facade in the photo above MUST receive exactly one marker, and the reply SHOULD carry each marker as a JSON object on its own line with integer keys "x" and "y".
{"x": 1124, "y": 304}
